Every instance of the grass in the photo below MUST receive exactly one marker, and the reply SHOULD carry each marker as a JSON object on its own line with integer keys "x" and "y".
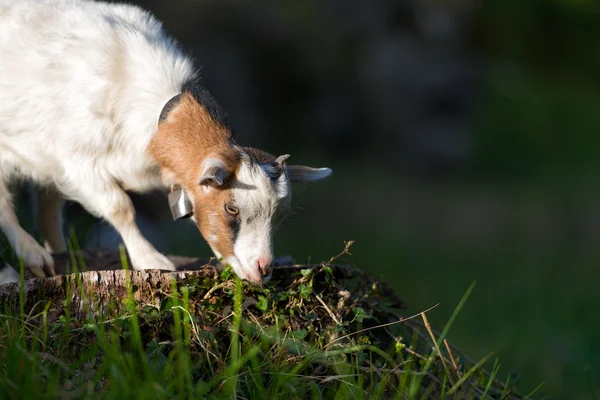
{"x": 319, "y": 333}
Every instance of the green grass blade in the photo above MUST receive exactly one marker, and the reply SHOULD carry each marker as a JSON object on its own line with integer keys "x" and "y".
{"x": 460, "y": 305}
{"x": 534, "y": 391}
{"x": 469, "y": 373}
{"x": 492, "y": 377}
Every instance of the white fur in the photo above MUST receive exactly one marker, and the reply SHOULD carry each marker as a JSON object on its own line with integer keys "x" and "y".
{"x": 261, "y": 203}
{"x": 8, "y": 273}
{"x": 82, "y": 85}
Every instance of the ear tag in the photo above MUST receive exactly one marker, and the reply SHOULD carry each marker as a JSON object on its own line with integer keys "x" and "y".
{"x": 180, "y": 204}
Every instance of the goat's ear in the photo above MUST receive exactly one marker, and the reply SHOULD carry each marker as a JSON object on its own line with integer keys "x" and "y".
{"x": 300, "y": 173}
{"x": 214, "y": 173}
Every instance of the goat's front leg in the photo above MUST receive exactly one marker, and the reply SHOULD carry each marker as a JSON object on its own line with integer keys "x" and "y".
{"x": 34, "y": 256}
{"x": 109, "y": 201}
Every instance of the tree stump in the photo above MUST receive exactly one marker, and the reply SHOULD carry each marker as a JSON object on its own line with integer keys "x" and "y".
{"x": 103, "y": 283}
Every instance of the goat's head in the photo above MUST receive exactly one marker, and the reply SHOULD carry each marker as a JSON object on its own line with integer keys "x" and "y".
{"x": 236, "y": 195}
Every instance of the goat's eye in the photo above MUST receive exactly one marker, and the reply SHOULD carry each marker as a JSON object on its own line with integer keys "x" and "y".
{"x": 231, "y": 209}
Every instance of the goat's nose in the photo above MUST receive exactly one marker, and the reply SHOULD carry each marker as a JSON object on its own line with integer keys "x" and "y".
{"x": 264, "y": 265}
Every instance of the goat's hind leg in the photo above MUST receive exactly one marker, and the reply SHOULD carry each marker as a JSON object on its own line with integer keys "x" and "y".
{"x": 49, "y": 218}
{"x": 34, "y": 256}
{"x": 7, "y": 273}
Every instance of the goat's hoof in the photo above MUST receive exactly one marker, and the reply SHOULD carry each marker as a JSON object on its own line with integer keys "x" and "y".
{"x": 36, "y": 258}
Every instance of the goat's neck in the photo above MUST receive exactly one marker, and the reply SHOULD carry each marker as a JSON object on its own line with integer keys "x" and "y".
{"x": 187, "y": 137}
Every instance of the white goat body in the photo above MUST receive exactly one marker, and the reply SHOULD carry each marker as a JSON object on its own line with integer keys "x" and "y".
{"x": 82, "y": 86}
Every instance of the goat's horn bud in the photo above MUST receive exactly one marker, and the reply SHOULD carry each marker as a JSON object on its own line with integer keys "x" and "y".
{"x": 281, "y": 159}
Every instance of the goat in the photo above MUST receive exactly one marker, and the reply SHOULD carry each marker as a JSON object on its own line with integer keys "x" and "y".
{"x": 96, "y": 99}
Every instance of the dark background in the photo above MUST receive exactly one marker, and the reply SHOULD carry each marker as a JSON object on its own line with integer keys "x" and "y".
{"x": 464, "y": 139}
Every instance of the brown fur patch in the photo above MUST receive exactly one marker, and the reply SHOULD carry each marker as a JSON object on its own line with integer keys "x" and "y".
{"x": 188, "y": 136}
{"x": 218, "y": 228}
{"x": 184, "y": 139}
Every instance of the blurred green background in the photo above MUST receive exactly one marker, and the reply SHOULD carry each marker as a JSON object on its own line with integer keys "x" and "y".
{"x": 464, "y": 139}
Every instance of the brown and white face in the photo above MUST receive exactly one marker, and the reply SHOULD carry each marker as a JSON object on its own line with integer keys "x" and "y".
{"x": 237, "y": 207}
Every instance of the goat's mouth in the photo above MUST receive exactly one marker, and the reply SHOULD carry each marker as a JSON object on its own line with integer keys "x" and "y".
{"x": 252, "y": 275}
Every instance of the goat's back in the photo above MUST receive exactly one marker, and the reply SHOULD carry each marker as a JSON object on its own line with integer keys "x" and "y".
{"x": 81, "y": 80}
